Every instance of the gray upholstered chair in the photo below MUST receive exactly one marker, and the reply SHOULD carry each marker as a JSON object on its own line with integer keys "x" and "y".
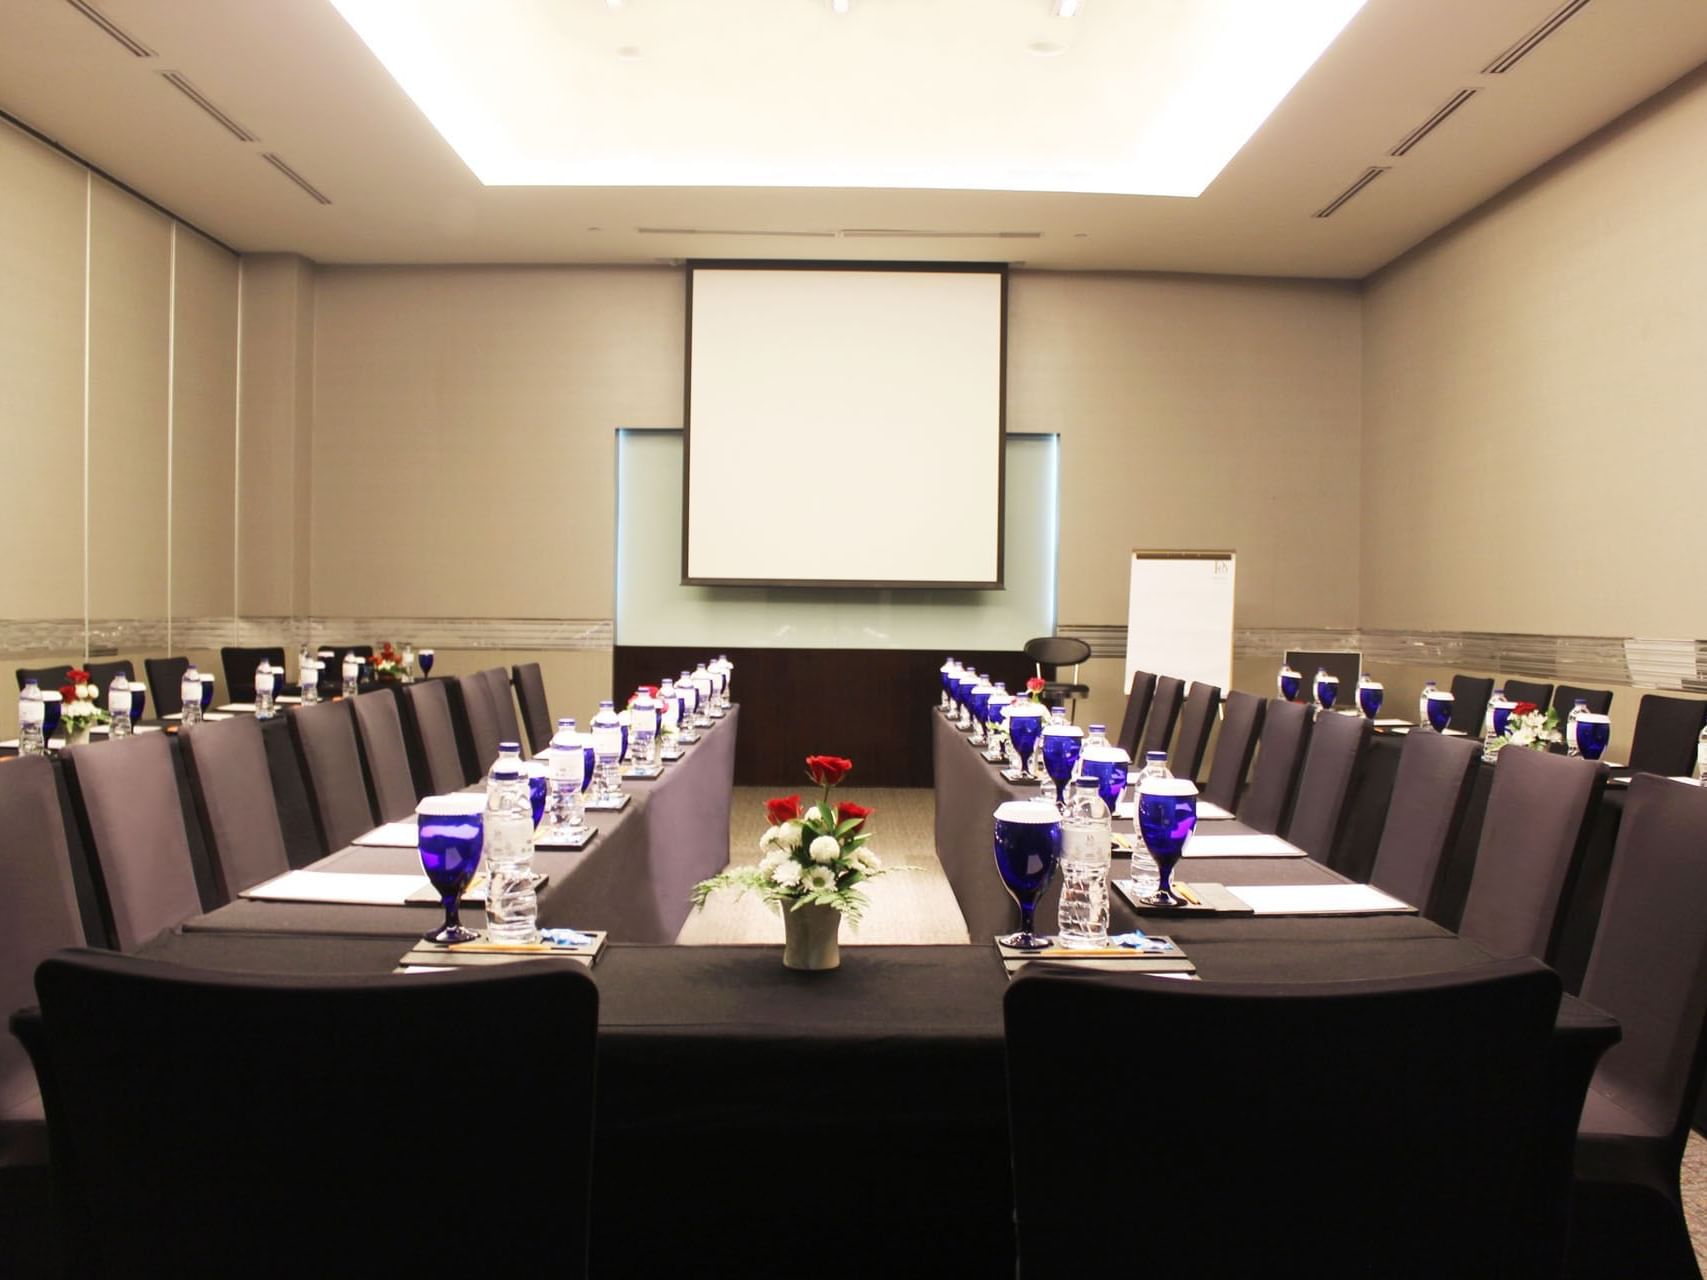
{"x": 235, "y": 802}
{"x": 428, "y": 721}
{"x": 1137, "y": 711}
{"x": 380, "y": 727}
{"x": 1424, "y": 813}
{"x": 1164, "y": 711}
{"x": 1240, "y": 723}
{"x": 325, "y": 736}
{"x": 1280, "y": 750}
{"x": 1196, "y": 722}
{"x": 504, "y": 706}
{"x": 536, "y": 712}
{"x": 1325, "y": 783}
{"x": 475, "y": 712}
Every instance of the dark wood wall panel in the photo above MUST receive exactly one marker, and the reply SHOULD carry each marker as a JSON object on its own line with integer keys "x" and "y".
{"x": 871, "y": 705}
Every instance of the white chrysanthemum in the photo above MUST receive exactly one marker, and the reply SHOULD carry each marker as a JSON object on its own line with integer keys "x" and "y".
{"x": 772, "y": 860}
{"x": 869, "y": 861}
{"x": 771, "y": 841}
{"x": 817, "y": 878}
{"x": 787, "y": 874}
{"x": 825, "y": 849}
{"x": 788, "y": 836}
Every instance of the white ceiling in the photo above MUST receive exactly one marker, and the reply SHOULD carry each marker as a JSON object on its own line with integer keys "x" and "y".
{"x": 294, "y": 75}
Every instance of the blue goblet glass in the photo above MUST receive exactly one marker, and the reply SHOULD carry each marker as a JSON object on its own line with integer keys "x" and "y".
{"x": 979, "y": 700}
{"x": 450, "y": 835}
{"x": 52, "y": 710}
{"x": 1107, "y": 767}
{"x": 1369, "y": 695}
{"x": 1327, "y": 690}
{"x": 1502, "y": 717}
{"x": 138, "y": 701}
{"x": 539, "y": 780}
{"x": 1025, "y": 726}
{"x": 1440, "y": 711}
{"x": 425, "y": 657}
{"x": 207, "y": 692}
{"x": 1167, "y": 815}
{"x": 963, "y": 695}
{"x": 1062, "y": 746}
{"x": 1593, "y": 733}
{"x": 1289, "y": 682}
{"x": 1028, "y": 845}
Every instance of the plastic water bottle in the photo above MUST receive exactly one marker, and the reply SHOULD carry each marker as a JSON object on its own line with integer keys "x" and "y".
{"x": 643, "y": 736}
{"x": 264, "y": 685}
{"x": 512, "y": 906}
{"x": 702, "y": 683}
{"x": 118, "y": 708}
{"x": 1087, "y": 835}
{"x": 190, "y": 692}
{"x": 568, "y": 772}
{"x": 607, "y": 752}
{"x": 1422, "y": 702}
{"x": 728, "y": 680}
{"x": 31, "y": 742}
{"x": 352, "y": 673}
{"x": 1145, "y": 874}
{"x": 669, "y": 719}
{"x": 308, "y": 676}
{"x": 1577, "y": 713}
{"x": 1701, "y": 757}
{"x": 1489, "y": 735}
{"x": 688, "y": 692}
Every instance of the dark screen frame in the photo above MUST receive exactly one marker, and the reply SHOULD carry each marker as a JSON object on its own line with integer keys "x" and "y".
{"x": 998, "y": 269}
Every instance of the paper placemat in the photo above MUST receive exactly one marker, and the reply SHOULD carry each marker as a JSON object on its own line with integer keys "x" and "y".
{"x": 553, "y": 839}
{"x": 355, "y": 888}
{"x": 392, "y": 835}
{"x": 1393, "y": 724}
{"x": 238, "y": 707}
{"x": 1319, "y": 900}
{"x": 607, "y": 806}
{"x": 206, "y": 715}
{"x": 53, "y": 744}
{"x": 1240, "y": 846}
{"x": 288, "y": 699}
{"x": 1206, "y": 812}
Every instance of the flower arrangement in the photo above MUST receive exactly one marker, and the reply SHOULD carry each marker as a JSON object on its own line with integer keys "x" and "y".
{"x": 817, "y": 856}
{"x": 1034, "y": 688}
{"x": 1530, "y": 727}
{"x": 81, "y": 700}
{"x": 388, "y": 664}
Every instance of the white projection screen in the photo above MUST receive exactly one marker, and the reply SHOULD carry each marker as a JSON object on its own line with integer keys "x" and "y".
{"x": 844, "y": 424}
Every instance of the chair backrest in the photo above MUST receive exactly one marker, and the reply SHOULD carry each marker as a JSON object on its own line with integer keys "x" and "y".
{"x": 1280, "y": 750}
{"x": 127, "y": 802}
{"x": 266, "y": 1101}
{"x": 1665, "y": 735}
{"x": 429, "y": 721}
{"x": 1137, "y": 709}
{"x": 1374, "y": 1097}
{"x": 38, "y": 906}
{"x": 1530, "y": 850}
{"x": 240, "y": 667}
{"x": 103, "y": 674}
{"x": 325, "y": 736}
{"x": 45, "y": 677}
{"x": 1566, "y": 695}
{"x": 1470, "y": 696}
{"x": 475, "y": 712}
{"x": 536, "y": 712}
{"x": 1424, "y": 812}
{"x": 1050, "y": 653}
{"x": 1164, "y": 711}
{"x": 1240, "y": 723}
{"x": 381, "y": 729}
{"x": 1196, "y": 721}
{"x": 1529, "y": 691}
{"x": 504, "y": 706}
{"x": 235, "y": 802}
{"x": 1649, "y": 964}
{"x": 165, "y": 684}
{"x": 1325, "y": 783}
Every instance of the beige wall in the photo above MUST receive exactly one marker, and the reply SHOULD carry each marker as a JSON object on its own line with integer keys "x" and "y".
{"x": 1548, "y": 347}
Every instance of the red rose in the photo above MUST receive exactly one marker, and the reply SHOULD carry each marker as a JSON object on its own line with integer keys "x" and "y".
{"x": 848, "y": 809}
{"x": 68, "y": 693}
{"x": 77, "y": 675}
{"x": 783, "y": 809}
{"x": 1035, "y": 683}
{"x": 1523, "y": 708}
{"x": 827, "y": 771}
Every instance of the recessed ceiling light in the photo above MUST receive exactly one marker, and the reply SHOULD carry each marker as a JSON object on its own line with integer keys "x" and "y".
{"x": 1157, "y": 104}
{"x": 1065, "y": 8}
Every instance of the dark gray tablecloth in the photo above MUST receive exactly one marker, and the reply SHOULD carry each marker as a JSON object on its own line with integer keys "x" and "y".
{"x": 632, "y": 880}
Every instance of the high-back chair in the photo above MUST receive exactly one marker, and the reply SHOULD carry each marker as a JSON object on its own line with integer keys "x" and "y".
{"x": 504, "y": 705}
{"x": 474, "y": 711}
{"x": 235, "y": 803}
{"x": 1280, "y": 750}
{"x": 1164, "y": 711}
{"x": 325, "y": 736}
{"x": 1240, "y": 724}
{"x": 1529, "y": 691}
{"x": 296, "y": 1115}
{"x": 1048, "y": 654}
{"x": 1325, "y": 783}
{"x": 1665, "y": 736}
{"x": 1137, "y": 711}
{"x": 1397, "y": 1102}
{"x": 1649, "y": 970}
{"x": 380, "y": 727}
{"x": 536, "y": 712}
{"x": 104, "y": 673}
{"x": 166, "y": 684}
{"x": 428, "y": 722}
{"x": 1424, "y": 813}
{"x": 1530, "y": 850}
{"x": 1470, "y": 695}
{"x": 240, "y": 667}
{"x": 1196, "y": 722}
{"x": 45, "y": 677}
{"x": 131, "y": 815}
{"x": 1565, "y": 697}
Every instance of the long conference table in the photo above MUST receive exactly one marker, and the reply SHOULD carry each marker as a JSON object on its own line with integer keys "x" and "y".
{"x": 734, "y": 1093}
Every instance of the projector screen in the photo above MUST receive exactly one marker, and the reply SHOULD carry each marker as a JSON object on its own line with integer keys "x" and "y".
{"x": 844, "y": 424}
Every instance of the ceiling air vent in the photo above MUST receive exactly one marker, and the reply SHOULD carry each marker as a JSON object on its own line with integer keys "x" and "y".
{"x": 131, "y": 43}
{"x": 1434, "y": 122}
{"x": 1333, "y": 206}
{"x": 1526, "y": 46}
{"x": 904, "y": 233}
{"x": 314, "y": 191}
{"x": 196, "y": 96}
{"x": 708, "y": 231}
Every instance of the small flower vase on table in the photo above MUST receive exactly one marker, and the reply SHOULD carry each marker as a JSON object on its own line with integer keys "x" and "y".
{"x": 813, "y": 861}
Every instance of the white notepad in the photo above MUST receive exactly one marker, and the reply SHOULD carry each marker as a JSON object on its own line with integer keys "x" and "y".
{"x": 1206, "y": 812}
{"x": 1393, "y": 724}
{"x": 360, "y": 889}
{"x": 206, "y": 715}
{"x": 1240, "y": 846}
{"x": 237, "y": 706}
{"x": 392, "y": 835}
{"x": 1318, "y": 899}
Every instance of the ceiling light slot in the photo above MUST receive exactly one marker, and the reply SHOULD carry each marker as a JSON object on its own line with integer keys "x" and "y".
{"x": 297, "y": 178}
{"x": 711, "y": 231}
{"x": 132, "y": 45}
{"x": 908, "y": 233}
{"x": 1338, "y": 202}
{"x": 201, "y": 100}
{"x": 1434, "y": 122}
{"x": 1526, "y": 46}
